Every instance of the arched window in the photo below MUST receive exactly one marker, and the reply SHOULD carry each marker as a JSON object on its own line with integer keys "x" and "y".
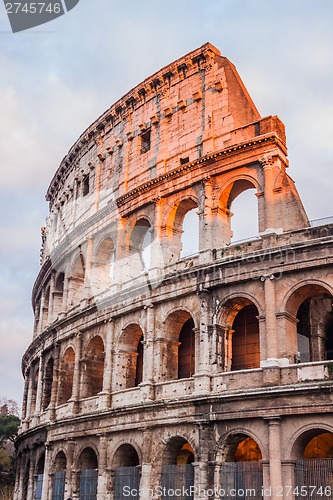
{"x": 140, "y": 246}
{"x": 177, "y": 468}
{"x": 245, "y": 339}
{"x": 190, "y": 235}
{"x": 39, "y": 477}
{"x": 58, "y": 294}
{"x": 94, "y": 368}
{"x": 66, "y": 376}
{"x": 104, "y": 264}
{"x": 88, "y": 466}
{"x": 179, "y": 351}
{"x": 59, "y": 476}
{"x": 125, "y": 464}
{"x": 77, "y": 280}
{"x": 242, "y": 465}
{"x": 238, "y": 212}
{"x": 130, "y": 367}
{"x": 313, "y": 451}
{"x": 186, "y": 350}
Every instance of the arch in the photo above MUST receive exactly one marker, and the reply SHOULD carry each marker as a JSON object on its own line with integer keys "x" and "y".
{"x": 303, "y": 436}
{"x": 66, "y": 376}
{"x": 174, "y": 229}
{"x": 179, "y": 348}
{"x": 48, "y": 379}
{"x": 58, "y": 293}
{"x": 93, "y": 372}
{"x": 232, "y": 304}
{"x": 59, "y": 462}
{"x": 178, "y": 450}
{"x": 59, "y": 476}
{"x": 131, "y": 343}
{"x": 238, "y": 319}
{"x": 125, "y": 455}
{"x": 139, "y": 244}
{"x": 235, "y": 229}
{"x": 228, "y": 447}
{"x": 104, "y": 263}
{"x": 87, "y": 459}
{"x": 87, "y": 463}
{"x": 311, "y": 304}
{"x": 77, "y": 279}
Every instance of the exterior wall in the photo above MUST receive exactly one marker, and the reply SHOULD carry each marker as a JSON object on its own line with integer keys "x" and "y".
{"x": 95, "y": 298}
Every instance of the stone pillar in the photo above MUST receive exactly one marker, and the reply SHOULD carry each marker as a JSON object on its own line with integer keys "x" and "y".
{"x": 29, "y": 397}
{"x": 41, "y": 313}
{"x": 70, "y": 466}
{"x": 102, "y": 468}
{"x": 55, "y": 381}
{"x": 40, "y": 384}
{"x": 105, "y": 395}
{"x": 77, "y": 374}
{"x": 270, "y": 320}
{"x": 228, "y": 332}
{"x": 65, "y": 297}
{"x": 25, "y": 397}
{"x": 47, "y": 487}
{"x": 88, "y": 264}
{"x": 288, "y": 478}
{"x": 271, "y": 169}
{"x": 31, "y": 482}
{"x": 156, "y": 255}
{"x": 148, "y": 355}
{"x": 51, "y": 299}
{"x": 145, "y": 482}
{"x": 274, "y": 439}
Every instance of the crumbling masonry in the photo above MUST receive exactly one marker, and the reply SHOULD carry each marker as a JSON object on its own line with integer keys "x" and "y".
{"x": 154, "y": 369}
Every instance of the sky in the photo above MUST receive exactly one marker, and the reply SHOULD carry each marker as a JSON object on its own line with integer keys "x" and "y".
{"x": 58, "y": 78}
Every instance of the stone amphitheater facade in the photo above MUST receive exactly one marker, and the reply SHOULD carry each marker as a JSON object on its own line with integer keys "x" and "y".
{"x": 149, "y": 369}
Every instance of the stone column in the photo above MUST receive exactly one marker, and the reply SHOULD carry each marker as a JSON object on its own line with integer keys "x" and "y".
{"x": 70, "y": 466}
{"x": 270, "y": 320}
{"x": 65, "y": 296}
{"x": 47, "y": 487}
{"x": 288, "y": 478}
{"x": 105, "y": 395}
{"x": 51, "y": 299}
{"x": 25, "y": 397}
{"x": 156, "y": 255}
{"x": 55, "y": 381}
{"x": 77, "y": 374}
{"x": 88, "y": 265}
{"x": 41, "y": 313}
{"x": 148, "y": 355}
{"x": 40, "y": 384}
{"x": 274, "y": 439}
{"x": 271, "y": 169}
{"x": 145, "y": 486}
{"x": 102, "y": 466}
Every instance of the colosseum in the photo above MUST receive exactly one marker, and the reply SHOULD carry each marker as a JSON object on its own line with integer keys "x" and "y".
{"x": 153, "y": 373}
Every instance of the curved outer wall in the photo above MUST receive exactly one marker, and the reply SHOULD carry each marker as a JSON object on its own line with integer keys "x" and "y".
{"x": 138, "y": 358}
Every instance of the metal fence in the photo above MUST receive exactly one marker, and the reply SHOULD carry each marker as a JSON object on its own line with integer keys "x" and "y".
{"x": 39, "y": 487}
{"x": 126, "y": 483}
{"x": 88, "y": 484}
{"x": 241, "y": 480}
{"x": 58, "y": 485}
{"x": 177, "y": 477}
{"x": 314, "y": 479}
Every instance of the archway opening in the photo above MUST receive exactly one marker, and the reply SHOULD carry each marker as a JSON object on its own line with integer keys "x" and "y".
{"x": 244, "y": 206}
{"x": 104, "y": 264}
{"x": 177, "y": 468}
{"x": 179, "y": 350}
{"x": 140, "y": 246}
{"x": 88, "y": 466}
{"x": 58, "y": 294}
{"x": 313, "y": 469}
{"x": 245, "y": 339}
{"x": 39, "y": 477}
{"x": 48, "y": 379}
{"x": 131, "y": 357}
{"x": 190, "y": 234}
{"x": 59, "y": 476}
{"x": 77, "y": 280}
{"x": 66, "y": 376}
{"x": 93, "y": 368}
{"x": 242, "y": 465}
{"x": 125, "y": 463}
